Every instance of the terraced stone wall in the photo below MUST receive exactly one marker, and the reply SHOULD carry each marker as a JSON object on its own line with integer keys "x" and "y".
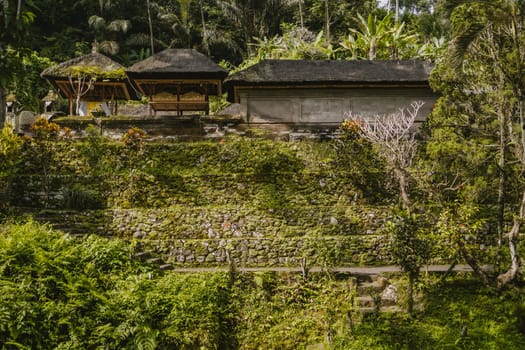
{"x": 251, "y": 202}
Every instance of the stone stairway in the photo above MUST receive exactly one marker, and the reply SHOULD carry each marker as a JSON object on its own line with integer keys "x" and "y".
{"x": 374, "y": 293}
{"x": 149, "y": 258}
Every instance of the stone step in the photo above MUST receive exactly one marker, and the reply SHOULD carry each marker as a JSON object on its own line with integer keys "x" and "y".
{"x": 156, "y": 260}
{"x": 143, "y": 256}
{"x": 386, "y": 309}
{"x": 367, "y": 310}
{"x": 370, "y": 288}
{"x": 392, "y": 308}
{"x": 365, "y": 301}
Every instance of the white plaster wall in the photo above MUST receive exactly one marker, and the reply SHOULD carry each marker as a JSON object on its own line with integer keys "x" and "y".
{"x": 328, "y": 106}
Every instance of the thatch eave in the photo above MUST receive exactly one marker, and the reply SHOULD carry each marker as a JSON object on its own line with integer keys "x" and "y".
{"x": 173, "y": 63}
{"x": 105, "y": 67}
{"x": 104, "y": 70}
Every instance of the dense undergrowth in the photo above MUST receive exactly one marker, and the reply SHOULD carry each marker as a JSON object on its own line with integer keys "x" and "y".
{"x": 58, "y": 292}
{"x": 98, "y": 173}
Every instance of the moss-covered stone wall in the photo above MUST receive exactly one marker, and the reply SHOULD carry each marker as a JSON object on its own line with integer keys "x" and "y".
{"x": 252, "y": 202}
{"x": 248, "y": 237}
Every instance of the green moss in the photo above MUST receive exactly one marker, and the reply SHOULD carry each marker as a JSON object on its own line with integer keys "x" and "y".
{"x": 239, "y": 188}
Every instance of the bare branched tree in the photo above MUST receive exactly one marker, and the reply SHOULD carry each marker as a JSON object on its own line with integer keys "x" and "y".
{"x": 395, "y": 137}
{"x": 81, "y": 82}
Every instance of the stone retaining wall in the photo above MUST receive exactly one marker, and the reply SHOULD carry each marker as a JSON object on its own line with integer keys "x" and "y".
{"x": 211, "y": 236}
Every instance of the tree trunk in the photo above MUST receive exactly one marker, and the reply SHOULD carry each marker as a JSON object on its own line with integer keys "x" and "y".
{"x": 150, "y": 27}
{"x": 372, "y": 50}
{"x": 301, "y": 17}
{"x": 5, "y": 5}
{"x": 18, "y": 9}
{"x": 410, "y": 293}
{"x": 204, "y": 32}
{"x": 2, "y": 106}
{"x": 514, "y": 233}
{"x": 473, "y": 263}
{"x": 327, "y": 21}
{"x": 502, "y": 182}
{"x": 402, "y": 177}
{"x": 77, "y": 99}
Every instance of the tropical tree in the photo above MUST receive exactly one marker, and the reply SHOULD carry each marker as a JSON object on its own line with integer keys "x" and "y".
{"x": 178, "y": 17}
{"x": 380, "y": 39}
{"x": 105, "y": 41}
{"x": 485, "y": 89}
{"x": 27, "y": 82}
{"x": 395, "y": 137}
{"x": 256, "y": 19}
{"x": 15, "y": 19}
{"x": 81, "y": 79}
{"x": 295, "y": 43}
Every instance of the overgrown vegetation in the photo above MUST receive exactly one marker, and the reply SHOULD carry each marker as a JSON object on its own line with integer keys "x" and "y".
{"x": 463, "y": 188}
{"x": 60, "y": 292}
{"x": 458, "y": 313}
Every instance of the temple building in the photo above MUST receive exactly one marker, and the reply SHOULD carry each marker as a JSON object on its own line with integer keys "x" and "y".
{"x": 177, "y": 80}
{"x": 324, "y": 92}
{"x": 93, "y": 84}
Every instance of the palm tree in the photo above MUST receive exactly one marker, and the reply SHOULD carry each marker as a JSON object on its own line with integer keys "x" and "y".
{"x": 150, "y": 28}
{"x": 179, "y": 20}
{"x": 256, "y": 18}
{"x": 105, "y": 32}
{"x": 204, "y": 30}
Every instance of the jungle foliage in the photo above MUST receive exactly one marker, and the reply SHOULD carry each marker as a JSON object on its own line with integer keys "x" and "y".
{"x": 60, "y": 292}
{"x": 466, "y": 182}
{"x": 35, "y": 34}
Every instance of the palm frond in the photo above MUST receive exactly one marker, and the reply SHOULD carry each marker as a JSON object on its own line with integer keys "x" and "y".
{"x": 462, "y": 42}
{"x": 450, "y": 6}
{"x": 109, "y": 46}
{"x": 96, "y": 22}
{"x": 119, "y": 25}
{"x": 138, "y": 39}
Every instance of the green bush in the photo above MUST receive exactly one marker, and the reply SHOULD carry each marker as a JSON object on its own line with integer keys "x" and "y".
{"x": 78, "y": 197}
{"x": 57, "y": 292}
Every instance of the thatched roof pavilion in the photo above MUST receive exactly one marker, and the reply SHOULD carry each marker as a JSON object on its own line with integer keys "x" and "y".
{"x": 328, "y": 74}
{"x": 178, "y": 80}
{"x": 109, "y": 81}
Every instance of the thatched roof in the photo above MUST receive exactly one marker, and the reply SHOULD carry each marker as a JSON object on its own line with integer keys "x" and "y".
{"x": 102, "y": 63}
{"x": 314, "y": 72}
{"x": 177, "y": 64}
{"x": 111, "y": 77}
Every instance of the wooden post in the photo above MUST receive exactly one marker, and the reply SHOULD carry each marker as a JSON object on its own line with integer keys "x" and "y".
{"x": 179, "y": 111}
{"x": 206, "y": 98}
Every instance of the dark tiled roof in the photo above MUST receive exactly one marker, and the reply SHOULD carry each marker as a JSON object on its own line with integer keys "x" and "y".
{"x": 310, "y": 72}
{"x": 175, "y": 62}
